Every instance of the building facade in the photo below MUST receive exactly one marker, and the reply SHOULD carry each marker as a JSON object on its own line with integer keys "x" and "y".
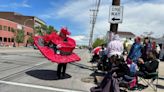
{"x": 10, "y": 22}
{"x": 122, "y": 34}
{"x": 126, "y": 35}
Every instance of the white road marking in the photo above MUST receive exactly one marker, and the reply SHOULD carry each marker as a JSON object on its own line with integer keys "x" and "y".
{"x": 37, "y": 86}
{"x": 40, "y": 63}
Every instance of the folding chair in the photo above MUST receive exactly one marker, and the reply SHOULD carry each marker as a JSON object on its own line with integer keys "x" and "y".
{"x": 150, "y": 78}
{"x": 128, "y": 85}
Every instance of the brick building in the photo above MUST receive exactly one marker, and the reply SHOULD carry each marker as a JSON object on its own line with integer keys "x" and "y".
{"x": 11, "y": 21}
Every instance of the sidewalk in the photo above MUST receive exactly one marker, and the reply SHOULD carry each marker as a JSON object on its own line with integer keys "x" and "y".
{"x": 160, "y": 85}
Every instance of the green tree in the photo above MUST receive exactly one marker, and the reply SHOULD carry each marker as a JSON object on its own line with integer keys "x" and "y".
{"x": 41, "y": 30}
{"x": 38, "y": 30}
{"x": 50, "y": 29}
{"x": 98, "y": 42}
{"x": 30, "y": 39}
{"x": 20, "y": 36}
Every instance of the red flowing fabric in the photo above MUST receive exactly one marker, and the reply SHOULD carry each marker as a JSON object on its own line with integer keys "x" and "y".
{"x": 65, "y": 47}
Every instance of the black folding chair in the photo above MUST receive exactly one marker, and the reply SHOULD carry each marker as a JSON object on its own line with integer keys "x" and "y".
{"x": 151, "y": 79}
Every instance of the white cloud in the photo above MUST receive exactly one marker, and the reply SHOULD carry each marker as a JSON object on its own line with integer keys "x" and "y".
{"x": 80, "y": 39}
{"x": 139, "y": 17}
{"x": 144, "y": 18}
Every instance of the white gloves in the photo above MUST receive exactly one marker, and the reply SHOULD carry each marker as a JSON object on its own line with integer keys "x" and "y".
{"x": 58, "y": 46}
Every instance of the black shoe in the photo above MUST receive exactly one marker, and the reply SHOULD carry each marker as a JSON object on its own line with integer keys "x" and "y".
{"x": 58, "y": 77}
{"x": 63, "y": 75}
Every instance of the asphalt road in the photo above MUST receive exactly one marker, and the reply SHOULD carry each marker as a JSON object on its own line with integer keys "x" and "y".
{"x": 26, "y": 70}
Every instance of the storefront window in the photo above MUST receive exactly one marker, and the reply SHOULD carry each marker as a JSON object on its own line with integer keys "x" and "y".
{"x": 5, "y": 39}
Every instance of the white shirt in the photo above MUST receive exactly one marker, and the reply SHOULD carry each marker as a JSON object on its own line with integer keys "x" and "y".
{"x": 115, "y": 47}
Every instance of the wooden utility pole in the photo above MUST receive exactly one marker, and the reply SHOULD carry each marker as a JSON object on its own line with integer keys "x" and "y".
{"x": 114, "y": 27}
{"x": 93, "y": 20}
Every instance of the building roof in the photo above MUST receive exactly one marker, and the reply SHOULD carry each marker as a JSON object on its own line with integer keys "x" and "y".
{"x": 125, "y": 33}
{"x": 19, "y": 18}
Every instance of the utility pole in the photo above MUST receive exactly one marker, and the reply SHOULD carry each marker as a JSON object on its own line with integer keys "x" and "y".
{"x": 114, "y": 27}
{"x": 93, "y": 21}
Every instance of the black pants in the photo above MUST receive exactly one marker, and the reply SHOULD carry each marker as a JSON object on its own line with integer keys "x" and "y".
{"x": 61, "y": 66}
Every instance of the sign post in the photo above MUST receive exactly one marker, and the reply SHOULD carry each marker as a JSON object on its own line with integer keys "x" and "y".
{"x": 116, "y": 14}
{"x": 114, "y": 26}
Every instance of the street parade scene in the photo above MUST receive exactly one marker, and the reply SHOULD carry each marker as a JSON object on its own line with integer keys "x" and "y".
{"x": 81, "y": 46}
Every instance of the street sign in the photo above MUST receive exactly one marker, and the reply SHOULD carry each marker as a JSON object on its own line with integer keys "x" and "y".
{"x": 116, "y": 14}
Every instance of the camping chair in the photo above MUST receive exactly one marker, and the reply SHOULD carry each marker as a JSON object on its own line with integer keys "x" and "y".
{"x": 150, "y": 78}
{"x": 128, "y": 85}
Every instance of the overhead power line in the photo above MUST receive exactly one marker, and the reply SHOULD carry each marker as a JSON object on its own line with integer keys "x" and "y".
{"x": 94, "y": 13}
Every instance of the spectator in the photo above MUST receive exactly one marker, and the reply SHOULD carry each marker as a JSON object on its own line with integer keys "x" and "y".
{"x": 135, "y": 51}
{"x": 146, "y": 48}
{"x": 149, "y": 66}
{"x": 115, "y": 46}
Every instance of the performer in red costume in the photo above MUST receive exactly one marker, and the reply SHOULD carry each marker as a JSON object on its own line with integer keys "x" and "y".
{"x": 57, "y": 48}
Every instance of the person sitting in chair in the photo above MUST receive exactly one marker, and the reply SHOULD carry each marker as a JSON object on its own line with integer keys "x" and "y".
{"x": 110, "y": 83}
{"x": 149, "y": 66}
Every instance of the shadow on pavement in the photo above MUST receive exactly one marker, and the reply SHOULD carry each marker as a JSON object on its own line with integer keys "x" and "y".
{"x": 161, "y": 78}
{"x": 46, "y": 74}
{"x": 82, "y": 66}
{"x": 160, "y": 86}
{"x": 97, "y": 74}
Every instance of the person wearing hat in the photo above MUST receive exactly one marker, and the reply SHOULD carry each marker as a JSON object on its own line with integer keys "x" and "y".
{"x": 58, "y": 48}
{"x": 62, "y": 66}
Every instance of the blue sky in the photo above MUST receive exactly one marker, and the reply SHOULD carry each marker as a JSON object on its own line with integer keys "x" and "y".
{"x": 37, "y": 8}
{"x": 139, "y": 15}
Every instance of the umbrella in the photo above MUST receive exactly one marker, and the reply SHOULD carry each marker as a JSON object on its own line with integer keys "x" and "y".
{"x": 96, "y": 50}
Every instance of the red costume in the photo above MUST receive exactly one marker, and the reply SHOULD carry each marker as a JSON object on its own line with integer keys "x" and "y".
{"x": 64, "y": 49}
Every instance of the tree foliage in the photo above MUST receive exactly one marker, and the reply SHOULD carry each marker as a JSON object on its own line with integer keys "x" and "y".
{"x": 50, "y": 29}
{"x": 30, "y": 39}
{"x": 43, "y": 29}
{"x": 38, "y": 30}
{"x": 98, "y": 42}
{"x": 20, "y": 36}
